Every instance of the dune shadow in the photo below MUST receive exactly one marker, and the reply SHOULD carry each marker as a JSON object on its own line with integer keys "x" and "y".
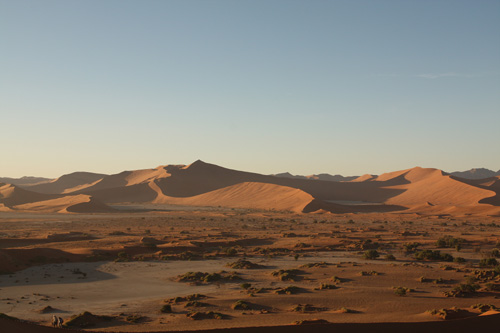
{"x": 65, "y": 273}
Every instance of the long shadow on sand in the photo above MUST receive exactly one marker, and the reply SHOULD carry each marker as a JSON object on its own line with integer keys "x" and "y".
{"x": 56, "y": 274}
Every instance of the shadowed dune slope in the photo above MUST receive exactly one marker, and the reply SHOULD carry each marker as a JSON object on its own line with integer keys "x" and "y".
{"x": 129, "y": 186}
{"x": 201, "y": 177}
{"x": 80, "y": 203}
{"x": 474, "y": 324}
{"x": 11, "y": 195}
{"x": 65, "y": 183}
{"x": 248, "y": 195}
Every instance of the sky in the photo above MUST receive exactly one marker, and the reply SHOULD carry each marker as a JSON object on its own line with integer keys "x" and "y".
{"x": 268, "y": 86}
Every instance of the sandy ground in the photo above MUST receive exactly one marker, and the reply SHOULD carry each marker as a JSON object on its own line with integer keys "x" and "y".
{"x": 77, "y": 271}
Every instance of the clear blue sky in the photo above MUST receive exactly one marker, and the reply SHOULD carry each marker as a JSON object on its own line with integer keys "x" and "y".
{"x": 337, "y": 86}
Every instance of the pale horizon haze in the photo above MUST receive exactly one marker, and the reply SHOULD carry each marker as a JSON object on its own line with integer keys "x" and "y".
{"x": 267, "y": 86}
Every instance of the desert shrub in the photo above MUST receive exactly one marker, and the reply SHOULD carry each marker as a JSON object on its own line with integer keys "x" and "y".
{"x": 178, "y": 299}
{"x": 303, "y": 308}
{"x": 167, "y": 308}
{"x": 448, "y": 314}
{"x": 432, "y": 255}
{"x": 240, "y": 305}
{"x": 484, "y": 307}
{"x": 411, "y": 247}
{"x": 199, "y": 277}
{"x": 371, "y": 254}
{"x": 231, "y": 251}
{"x": 336, "y": 279}
{"x": 135, "y": 318}
{"x": 346, "y": 310}
{"x": 287, "y": 290}
{"x": 205, "y": 315}
{"x": 286, "y": 274}
{"x": 195, "y": 304}
{"x": 243, "y": 264}
{"x": 230, "y": 276}
{"x": 245, "y": 285}
{"x": 495, "y": 253}
{"x": 390, "y": 257}
{"x": 400, "y": 291}
{"x": 122, "y": 256}
{"x": 462, "y": 290}
{"x": 367, "y": 273}
{"x": 459, "y": 260}
{"x": 315, "y": 265}
{"x": 324, "y": 286}
{"x": 488, "y": 262}
{"x": 449, "y": 242}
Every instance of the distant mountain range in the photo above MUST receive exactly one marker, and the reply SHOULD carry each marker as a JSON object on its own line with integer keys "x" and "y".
{"x": 413, "y": 191}
{"x": 480, "y": 173}
{"x": 24, "y": 180}
{"x": 321, "y": 176}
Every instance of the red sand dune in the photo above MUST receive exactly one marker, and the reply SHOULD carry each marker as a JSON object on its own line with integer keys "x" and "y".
{"x": 432, "y": 185}
{"x": 68, "y": 204}
{"x": 248, "y": 194}
{"x": 11, "y": 195}
{"x": 425, "y": 190}
{"x": 66, "y": 183}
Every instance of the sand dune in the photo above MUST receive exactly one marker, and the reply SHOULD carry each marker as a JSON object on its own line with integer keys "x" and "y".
{"x": 364, "y": 178}
{"x": 68, "y": 204}
{"x": 11, "y": 195}
{"x": 432, "y": 185}
{"x": 64, "y": 183}
{"x": 204, "y": 184}
{"x": 248, "y": 195}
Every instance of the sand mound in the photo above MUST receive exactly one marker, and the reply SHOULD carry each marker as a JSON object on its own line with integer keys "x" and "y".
{"x": 248, "y": 195}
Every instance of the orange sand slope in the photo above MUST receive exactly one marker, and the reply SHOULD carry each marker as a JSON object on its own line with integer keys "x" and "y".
{"x": 248, "y": 194}
{"x": 80, "y": 203}
{"x": 416, "y": 190}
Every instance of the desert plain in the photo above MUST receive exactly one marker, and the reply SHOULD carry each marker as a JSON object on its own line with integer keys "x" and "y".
{"x": 201, "y": 247}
